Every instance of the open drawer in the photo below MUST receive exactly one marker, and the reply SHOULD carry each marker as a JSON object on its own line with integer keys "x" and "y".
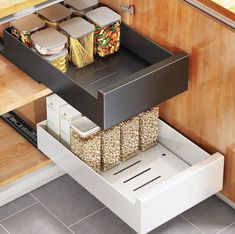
{"x": 110, "y": 90}
{"x": 151, "y": 188}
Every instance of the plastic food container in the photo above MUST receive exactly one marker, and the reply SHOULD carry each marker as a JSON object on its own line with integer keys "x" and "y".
{"x": 23, "y": 28}
{"x": 81, "y": 40}
{"x": 51, "y": 45}
{"x": 86, "y": 142}
{"x": 129, "y": 138}
{"x": 110, "y": 148}
{"x": 107, "y": 34}
{"x": 55, "y": 14}
{"x": 148, "y": 128}
{"x": 80, "y": 7}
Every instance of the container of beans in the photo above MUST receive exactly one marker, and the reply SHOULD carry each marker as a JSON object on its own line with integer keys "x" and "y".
{"x": 86, "y": 142}
{"x": 110, "y": 148}
{"x": 148, "y": 128}
{"x": 80, "y": 35}
{"x": 80, "y": 7}
{"x": 107, "y": 33}
{"x": 23, "y": 28}
{"x": 54, "y": 15}
{"x": 129, "y": 138}
{"x": 50, "y": 44}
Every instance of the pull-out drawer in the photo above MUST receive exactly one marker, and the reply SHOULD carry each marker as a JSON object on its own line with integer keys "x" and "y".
{"x": 151, "y": 188}
{"x": 110, "y": 90}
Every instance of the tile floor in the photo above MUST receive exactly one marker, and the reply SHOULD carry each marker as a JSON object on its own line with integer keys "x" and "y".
{"x": 64, "y": 207}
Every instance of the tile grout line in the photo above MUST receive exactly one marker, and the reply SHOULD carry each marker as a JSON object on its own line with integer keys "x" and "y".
{"x": 190, "y": 223}
{"x": 19, "y": 211}
{"x": 225, "y": 228}
{"x": 87, "y": 216}
{"x": 52, "y": 213}
{"x": 4, "y": 228}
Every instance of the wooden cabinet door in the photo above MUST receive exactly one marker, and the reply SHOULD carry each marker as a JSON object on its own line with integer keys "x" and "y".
{"x": 206, "y": 112}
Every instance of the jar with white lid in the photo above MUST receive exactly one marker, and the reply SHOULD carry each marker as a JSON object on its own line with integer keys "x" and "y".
{"x": 148, "y": 128}
{"x": 86, "y": 142}
{"x": 129, "y": 138}
{"x": 24, "y": 27}
{"x": 80, "y": 7}
{"x": 80, "y": 35}
{"x": 110, "y": 148}
{"x": 54, "y": 15}
{"x": 107, "y": 33}
{"x": 51, "y": 45}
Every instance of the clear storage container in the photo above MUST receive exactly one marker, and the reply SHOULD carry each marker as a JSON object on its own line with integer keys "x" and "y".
{"x": 86, "y": 142}
{"x": 54, "y": 15}
{"x": 80, "y": 40}
{"x": 148, "y": 128}
{"x": 80, "y": 7}
{"x": 129, "y": 138}
{"x": 107, "y": 33}
{"x": 23, "y": 28}
{"x": 50, "y": 44}
{"x": 110, "y": 148}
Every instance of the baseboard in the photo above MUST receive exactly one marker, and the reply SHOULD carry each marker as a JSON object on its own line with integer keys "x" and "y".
{"x": 226, "y": 200}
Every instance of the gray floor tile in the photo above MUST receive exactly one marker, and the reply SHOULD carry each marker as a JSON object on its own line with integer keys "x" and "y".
{"x": 103, "y": 222}
{"x": 16, "y": 205}
{"x": 67, "y": 199}
{"x": 229, "y": 230}
{"x": 2, "y": 230}
{"x": 34, "y": 220}
{"x": 176, "y": 226}
{"x": 211, "y": 216}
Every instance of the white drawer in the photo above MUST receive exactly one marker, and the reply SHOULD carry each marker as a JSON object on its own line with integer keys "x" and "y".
{"x": 150, "y": 189}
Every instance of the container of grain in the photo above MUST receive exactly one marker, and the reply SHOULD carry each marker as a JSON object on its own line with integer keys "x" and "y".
{"x": 24, "y": 27}
{"x": 86, "y": 142}
{"x": 107, "y": 33}
{"x": 129, "y": 138}
{"x": 50, "y": 44}
{"x": 148, "y": 128}
{"x": 110, "y": 148}
{"x": 54, "y": 15}
{"x": 80, "y": 35}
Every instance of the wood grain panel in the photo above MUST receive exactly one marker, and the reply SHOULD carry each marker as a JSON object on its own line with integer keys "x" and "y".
{"x": 17, "y": 88}
{"x": 8, "y": 7}
{"x": 17, "y": 156}
{"x": 206, "y": 113}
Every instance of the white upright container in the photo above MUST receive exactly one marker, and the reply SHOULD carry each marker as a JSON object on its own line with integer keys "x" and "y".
{"x": 54, "y": 103}
{"x": 68, "y": 115}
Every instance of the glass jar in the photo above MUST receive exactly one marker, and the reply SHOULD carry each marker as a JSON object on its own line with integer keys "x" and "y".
{"x": 148, "y": 128}
{"x": 110, "y": 148}
{"x": 107, "y": 33}
{"x": 80, "y": 7}
{"x": 129, "y": 138}
{"x": 54, "y": 15}
{"x": 80, "y": 42}
{"x": 24, "y": 27}
{"x": 50, "y": 44}
{"x": 86, "y": 142}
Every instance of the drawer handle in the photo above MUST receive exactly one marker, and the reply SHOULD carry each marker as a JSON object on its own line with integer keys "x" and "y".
{"x": 133, "y": 177}
{"x": 141, "y": 186}
{"x": 128, "y": 9}
{"x": 127, "y": 167}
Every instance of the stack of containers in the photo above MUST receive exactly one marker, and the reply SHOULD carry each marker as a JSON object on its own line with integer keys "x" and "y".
{"x": 80, "y": 34}
{"x": 23, "y": 28}
{"x": 54, "y": 15}
{"x": 80, "y": 7}
{"x": 86, "y": 142}
{"x": 51, "y": 45}
{"x": 110, "y": 148}
{"x": 107, "y": 33}
{"x": 148, "y": 128}
{"x": 129, "y": 138}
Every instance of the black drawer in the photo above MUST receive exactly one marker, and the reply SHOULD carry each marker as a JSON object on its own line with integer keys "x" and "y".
{"x": 141, "y": 75}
